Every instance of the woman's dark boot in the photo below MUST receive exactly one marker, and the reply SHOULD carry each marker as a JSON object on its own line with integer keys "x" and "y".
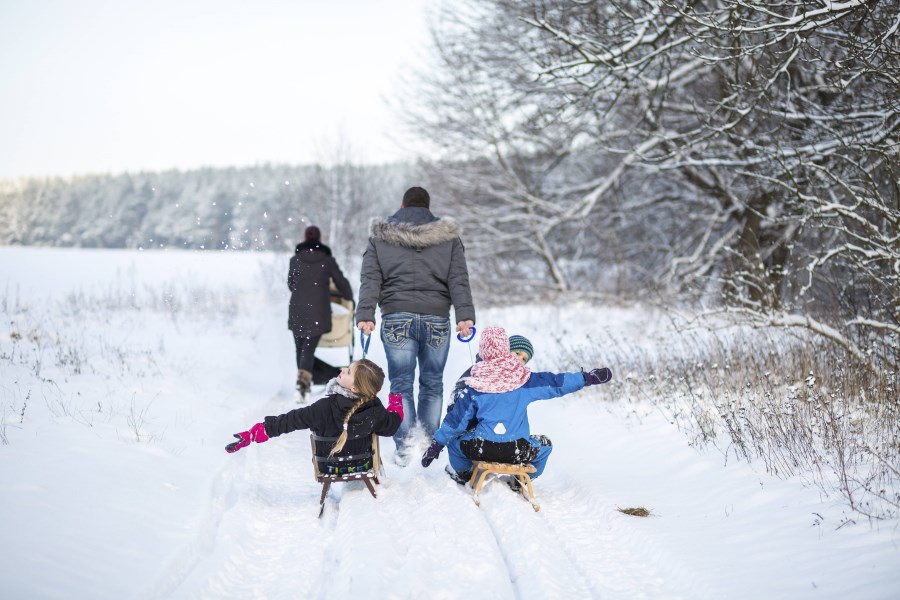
{"x": 304, "y": 381}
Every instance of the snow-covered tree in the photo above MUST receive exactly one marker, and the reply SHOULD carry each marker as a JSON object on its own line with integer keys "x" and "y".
{"x": 757, "y": 140}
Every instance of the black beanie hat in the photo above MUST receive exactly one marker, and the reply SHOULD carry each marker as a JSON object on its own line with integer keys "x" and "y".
{"x": 312, "y": 234}
{"x": 416, "y": 196}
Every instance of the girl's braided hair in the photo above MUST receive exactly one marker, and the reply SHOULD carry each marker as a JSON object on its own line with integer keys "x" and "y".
{"x": 367, "y": 379}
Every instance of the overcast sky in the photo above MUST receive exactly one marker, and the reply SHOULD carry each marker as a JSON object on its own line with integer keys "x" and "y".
{"x": 93, "y": 86}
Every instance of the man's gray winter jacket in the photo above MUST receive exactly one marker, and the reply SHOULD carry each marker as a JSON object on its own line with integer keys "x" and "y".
{"x": 415, "y": 262}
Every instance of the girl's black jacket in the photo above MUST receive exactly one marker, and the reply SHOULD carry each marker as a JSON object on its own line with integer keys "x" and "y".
{"x": 325, "y": 417}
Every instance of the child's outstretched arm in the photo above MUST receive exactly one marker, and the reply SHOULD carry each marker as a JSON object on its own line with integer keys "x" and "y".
{"x": 299, "y": 418}
{"x": 544, "y": 386}
{"x": 304, "y": 417}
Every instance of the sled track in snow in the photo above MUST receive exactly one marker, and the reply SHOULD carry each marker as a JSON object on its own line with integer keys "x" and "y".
{"x": 252, "y": 500}
{"x": 608, "y": 554}
{"x": 528, "y": 546}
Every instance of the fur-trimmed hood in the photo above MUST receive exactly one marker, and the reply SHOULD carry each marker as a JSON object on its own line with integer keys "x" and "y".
{"x": 412, "y": 232}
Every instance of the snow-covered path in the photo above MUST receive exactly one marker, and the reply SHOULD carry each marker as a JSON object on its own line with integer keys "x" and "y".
{"x": 423, "y": 535}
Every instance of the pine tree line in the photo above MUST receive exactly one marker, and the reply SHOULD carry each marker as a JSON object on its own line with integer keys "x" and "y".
{"x": 257, "y": 208}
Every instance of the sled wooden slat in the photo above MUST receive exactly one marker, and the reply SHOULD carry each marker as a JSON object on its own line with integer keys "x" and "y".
{"x": 481, "y": 470}
{"x": 326, "y": 479}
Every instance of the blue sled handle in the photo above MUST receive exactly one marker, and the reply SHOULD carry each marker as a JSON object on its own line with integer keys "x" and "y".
{"x": 468, "y": 339}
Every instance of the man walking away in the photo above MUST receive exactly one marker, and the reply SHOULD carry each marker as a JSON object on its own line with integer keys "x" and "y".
{"x": 414, "y": 268}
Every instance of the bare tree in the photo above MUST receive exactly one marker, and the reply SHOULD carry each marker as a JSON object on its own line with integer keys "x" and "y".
{"x": 505, "y": 143}
{"x": 765, "y": 131}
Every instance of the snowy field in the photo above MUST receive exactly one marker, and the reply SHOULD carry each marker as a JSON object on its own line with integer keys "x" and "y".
{"x": 123, "y": 375}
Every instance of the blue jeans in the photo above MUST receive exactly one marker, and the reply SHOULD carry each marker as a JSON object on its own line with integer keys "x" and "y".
{"x": 411, "y": 338}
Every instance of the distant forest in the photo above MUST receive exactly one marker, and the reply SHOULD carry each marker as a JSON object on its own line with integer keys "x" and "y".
{"x": 261, "y": 208}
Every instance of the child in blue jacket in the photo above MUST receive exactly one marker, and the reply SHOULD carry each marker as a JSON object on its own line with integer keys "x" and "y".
{"x": 520, "y": 347}
{"x": 496, "y": 396}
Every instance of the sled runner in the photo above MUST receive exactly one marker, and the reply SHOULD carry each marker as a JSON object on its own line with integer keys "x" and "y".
{"x": 362, "y": 466}
{"x": 481, "y": 470}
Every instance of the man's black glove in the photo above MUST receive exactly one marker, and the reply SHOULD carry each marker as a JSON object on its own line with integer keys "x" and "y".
{"x": 596, "y": 376}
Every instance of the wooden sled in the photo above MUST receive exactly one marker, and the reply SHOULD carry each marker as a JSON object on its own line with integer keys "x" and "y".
{"x": 481, "y": 470}
{"x": 322, "y": 462}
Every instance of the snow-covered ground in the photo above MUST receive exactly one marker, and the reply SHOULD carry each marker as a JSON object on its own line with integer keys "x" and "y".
{"x": 123, "y": 375}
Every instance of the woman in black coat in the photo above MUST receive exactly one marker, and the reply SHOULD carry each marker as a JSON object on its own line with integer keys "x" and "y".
{"x": 311, "y": 271}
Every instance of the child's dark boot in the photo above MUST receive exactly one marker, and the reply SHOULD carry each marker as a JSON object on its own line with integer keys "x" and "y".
{"x": 460, "y": 478}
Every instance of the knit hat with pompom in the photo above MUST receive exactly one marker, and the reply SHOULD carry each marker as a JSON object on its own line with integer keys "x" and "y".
{"x": 500, "y": 370}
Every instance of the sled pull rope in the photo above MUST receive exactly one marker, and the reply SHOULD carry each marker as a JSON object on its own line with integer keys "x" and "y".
{"x": 466, "y": 341}
{"x": 364, "y": 341}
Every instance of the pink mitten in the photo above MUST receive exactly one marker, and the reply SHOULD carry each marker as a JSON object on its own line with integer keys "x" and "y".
{"x": 395, "y": 404}
{"x": 256, "y": 434}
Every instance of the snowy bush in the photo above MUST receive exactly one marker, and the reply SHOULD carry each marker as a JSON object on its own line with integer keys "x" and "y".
{"x": 795, "y": 403}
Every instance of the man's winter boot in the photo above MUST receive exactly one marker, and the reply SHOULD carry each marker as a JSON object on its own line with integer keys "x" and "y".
{"x": 402, "y": 456}
{"x": 304, "y": 381}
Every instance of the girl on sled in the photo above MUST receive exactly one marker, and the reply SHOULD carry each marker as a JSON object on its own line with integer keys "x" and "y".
{"x": 349, "y": 411}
